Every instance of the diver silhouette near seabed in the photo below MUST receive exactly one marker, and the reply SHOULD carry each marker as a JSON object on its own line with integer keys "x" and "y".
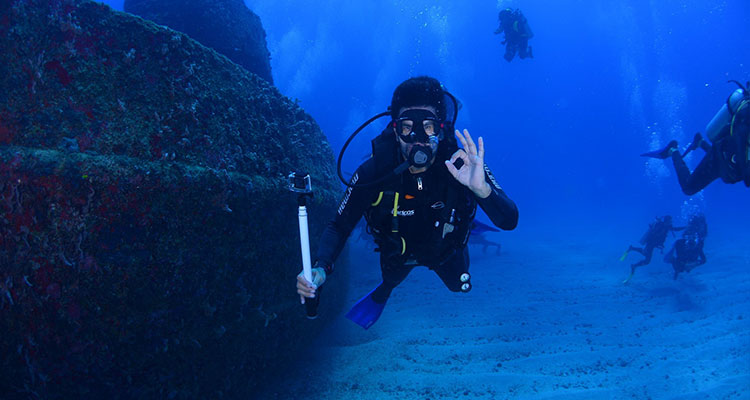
{"x": 687, "y": 252}
{"x": 653, "y": 238}
{"x": 479, "y": 232}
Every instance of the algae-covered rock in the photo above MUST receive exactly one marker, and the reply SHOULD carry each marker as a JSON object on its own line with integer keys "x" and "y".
{"x": 148, "y": 242}
{"x": 226, "y": 26}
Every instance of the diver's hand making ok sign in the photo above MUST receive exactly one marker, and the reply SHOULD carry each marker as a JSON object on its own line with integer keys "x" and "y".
{"x": 471, "y": 174}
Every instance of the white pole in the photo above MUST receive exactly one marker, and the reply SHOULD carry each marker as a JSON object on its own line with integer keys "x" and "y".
{"x": 304, "y": 239}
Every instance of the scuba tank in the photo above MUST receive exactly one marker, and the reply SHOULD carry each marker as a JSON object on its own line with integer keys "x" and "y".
{"x": 734, "y": 117}
{"x": 738, "y": 99}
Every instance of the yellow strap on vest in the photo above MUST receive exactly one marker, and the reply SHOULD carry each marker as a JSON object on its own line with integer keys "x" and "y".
{"x": 403, "y": 245}
{"x": 394, "y": 227}
{"x": 380, "y": 197}
{"x": 395, "y": 205}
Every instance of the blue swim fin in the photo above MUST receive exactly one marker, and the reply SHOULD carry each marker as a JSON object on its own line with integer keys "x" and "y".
{"x": 366, "y": 311}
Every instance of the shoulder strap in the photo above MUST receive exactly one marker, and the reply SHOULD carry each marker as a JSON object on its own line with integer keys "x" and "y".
{"x": 384, "y": 152}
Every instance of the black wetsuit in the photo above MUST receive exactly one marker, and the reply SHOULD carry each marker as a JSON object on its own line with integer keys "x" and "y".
{"x": 517, "y": 34}
{"x": 697, "y": 227}
{"x": 654, "y": 237}
{"x": 686, "y": 254}
{"x": 423, "y": 199}
{"x": 727, "y": 159}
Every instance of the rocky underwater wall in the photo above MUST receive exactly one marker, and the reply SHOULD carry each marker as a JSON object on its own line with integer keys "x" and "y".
{"x": 226, "y": 26}
{"x": 148, "y": 242}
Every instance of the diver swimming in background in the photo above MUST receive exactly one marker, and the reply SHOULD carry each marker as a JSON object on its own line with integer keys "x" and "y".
{"x": 728, "y": 155}
{"x": 653, "y": 238}
{"x": 697, "y": 226}
{"x": 478, "y": 236}
{"x": 517, "y": 34}
{"x": 418, "y": 193}
{"x": 687, "y": 252}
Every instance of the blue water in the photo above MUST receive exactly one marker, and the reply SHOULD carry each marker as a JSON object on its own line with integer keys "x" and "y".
{"x": 610, "y": 80}
{"x": 563, "y": 131}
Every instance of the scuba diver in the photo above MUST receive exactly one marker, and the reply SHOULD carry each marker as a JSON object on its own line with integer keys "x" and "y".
{"x": 697, "y": 226}
{"x": 687, "y": 252}
{"x": 479, "y": 231}
{"x": 418, "y": 193}
{"x": 517, "y": 34}
{"x": 653, "y": 238}
{"x": 728, "y": 155}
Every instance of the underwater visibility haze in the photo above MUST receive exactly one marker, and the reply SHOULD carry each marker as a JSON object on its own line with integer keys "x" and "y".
{"x": 556, "y": 310}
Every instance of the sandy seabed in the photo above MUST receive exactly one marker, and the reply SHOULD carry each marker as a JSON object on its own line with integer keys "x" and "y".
{"x": 545, "y": 320}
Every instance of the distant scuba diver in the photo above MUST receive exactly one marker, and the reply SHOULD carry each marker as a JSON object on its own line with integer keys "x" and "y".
{"x": 418, "y": 193}
{"x": 697, "y": 226}
{"x": 517, "y": 34}
{"x": 728, "y": 157}
{"x": 478, "y": 230}
{"x": 687, "y": 252}
{"x": 653, "y": 238}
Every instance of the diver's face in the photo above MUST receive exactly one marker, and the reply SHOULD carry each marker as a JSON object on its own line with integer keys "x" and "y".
{"x": 408, "y": 123}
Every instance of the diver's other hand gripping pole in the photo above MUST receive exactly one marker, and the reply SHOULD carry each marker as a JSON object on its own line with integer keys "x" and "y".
{"x": 311, "y": 305}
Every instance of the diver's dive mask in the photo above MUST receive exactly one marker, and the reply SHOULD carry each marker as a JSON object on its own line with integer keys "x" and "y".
{"x": 422, "y": 129}
{"x": 419, "y": 155}
{"x": 418, "y": 125}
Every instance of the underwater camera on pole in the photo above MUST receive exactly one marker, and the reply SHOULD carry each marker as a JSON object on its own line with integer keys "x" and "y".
{"x": 299, "y": 182}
